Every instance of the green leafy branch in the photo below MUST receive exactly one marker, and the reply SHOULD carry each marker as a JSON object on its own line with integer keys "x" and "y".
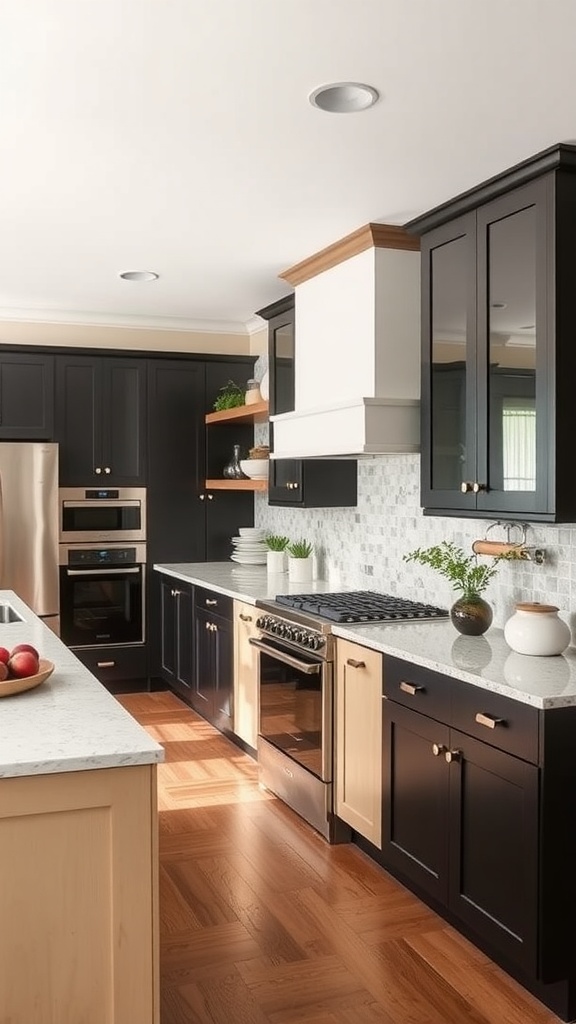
{"x": 462, "y": 570}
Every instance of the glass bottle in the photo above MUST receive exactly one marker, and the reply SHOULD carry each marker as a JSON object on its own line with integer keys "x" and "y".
{"x": 233, "y": 470}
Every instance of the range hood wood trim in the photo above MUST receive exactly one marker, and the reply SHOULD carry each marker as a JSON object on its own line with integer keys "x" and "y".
{"x": 377, "y": 236}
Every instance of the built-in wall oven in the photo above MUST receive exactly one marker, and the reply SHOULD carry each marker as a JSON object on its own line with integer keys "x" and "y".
{"x": 102, "y": 594}
{"x": 102, "y": 515}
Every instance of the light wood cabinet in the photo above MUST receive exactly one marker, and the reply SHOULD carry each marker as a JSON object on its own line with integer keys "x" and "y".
{"x": 245, "y": 674}
{"x": 359, "y": 739}
{"x": 78, "y": 898}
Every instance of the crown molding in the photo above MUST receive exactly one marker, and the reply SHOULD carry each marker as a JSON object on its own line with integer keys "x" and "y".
{"x": 377, "y": 236}
{"x": 157, "y": 323}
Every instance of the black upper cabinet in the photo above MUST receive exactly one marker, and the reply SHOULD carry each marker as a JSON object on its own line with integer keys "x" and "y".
{"x": 26, "y": 396}
{"x": 187, "y": 523}
{"x": 303, "y": 483}
{"x": 100, "y": 420}
{"x": 498, "y": 307}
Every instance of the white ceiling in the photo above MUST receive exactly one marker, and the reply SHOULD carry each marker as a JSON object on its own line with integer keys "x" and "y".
{"x": 176, "y": 136}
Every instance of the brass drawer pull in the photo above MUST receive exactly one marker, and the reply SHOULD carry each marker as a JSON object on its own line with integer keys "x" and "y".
{"x": 453, "y": 755}
{"x": 438, "y": 748}
{"x": 105, "y": 664}
{"x": 411, "y": 688}
{"x": 208, "y": 601}
{"x": 355, "y": 664}
{"x": 489, "y": 721}
{"x": 245, "y": 618}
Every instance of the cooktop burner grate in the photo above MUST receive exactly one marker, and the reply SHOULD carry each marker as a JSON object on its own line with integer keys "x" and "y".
{"x": 360, "y": 606}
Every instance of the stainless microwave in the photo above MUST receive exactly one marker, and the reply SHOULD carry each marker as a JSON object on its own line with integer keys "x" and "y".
{"x": 102, "y": 514}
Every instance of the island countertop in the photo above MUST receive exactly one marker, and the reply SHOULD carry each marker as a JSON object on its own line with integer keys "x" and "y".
{"x": 70, "y": 722}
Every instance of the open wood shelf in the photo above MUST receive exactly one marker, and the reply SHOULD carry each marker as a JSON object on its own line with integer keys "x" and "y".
{"x": 236, "y": 485}
{"x": 255, "y": 413}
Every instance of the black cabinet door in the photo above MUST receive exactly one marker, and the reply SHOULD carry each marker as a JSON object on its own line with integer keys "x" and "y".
{"x": 223, "y": 648}
{"x": 415, "y": 799}
{"x": 123, "y": 431}
{"x": 285, "y": 482}
{"x": 213, "y": 672}
{"x": 514, "y": 344}
{"x": 79, "y": 419}
{"x": 100, "y": 420}
{"x": 176, "y": 630}
{"x": 494, "y": 847}
{"x": 448, "y": 405}
{"x": 26, "y": 397}
{"x": 488, "y": 358}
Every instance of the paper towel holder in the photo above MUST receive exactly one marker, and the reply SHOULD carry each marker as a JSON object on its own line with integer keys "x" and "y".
{"x": 513, "y": 546}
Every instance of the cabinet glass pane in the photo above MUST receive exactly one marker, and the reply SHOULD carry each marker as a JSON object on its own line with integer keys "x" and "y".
{"x": 283, "y": 368}
{"x": 512, "y": 351}
{"x": 448, "y": 359}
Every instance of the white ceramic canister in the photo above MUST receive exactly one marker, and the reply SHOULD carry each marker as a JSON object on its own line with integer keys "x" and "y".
{"x": 536, "y": 629}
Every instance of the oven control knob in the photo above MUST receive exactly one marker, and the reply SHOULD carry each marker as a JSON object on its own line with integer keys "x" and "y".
{"x": 315, "y": 643}
{"x": 260, "y": 622}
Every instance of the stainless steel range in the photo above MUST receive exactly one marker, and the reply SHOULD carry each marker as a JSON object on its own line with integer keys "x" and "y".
{"x": 296, "y": 687}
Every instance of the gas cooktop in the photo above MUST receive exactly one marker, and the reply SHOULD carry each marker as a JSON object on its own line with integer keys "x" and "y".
{"x": 360, "y": 606}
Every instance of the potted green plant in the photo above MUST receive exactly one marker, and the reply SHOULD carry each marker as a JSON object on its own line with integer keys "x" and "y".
{"x": 276, "y": 554}
{"x": 231, "y": 395}
{"x": 300, "y": 566}
{"x": 470, "y": 613}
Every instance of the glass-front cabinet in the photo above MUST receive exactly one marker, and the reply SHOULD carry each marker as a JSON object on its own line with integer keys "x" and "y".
{"x": 487, "y": 362}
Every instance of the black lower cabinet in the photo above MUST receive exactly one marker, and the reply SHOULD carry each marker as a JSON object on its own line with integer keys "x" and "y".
{"x": 461, "y": 824}
{"x": 119, "y": 669}
{"x": 176, "y": 632}
{"x": 212, "y": 693}
{"x": 479, "y": 819}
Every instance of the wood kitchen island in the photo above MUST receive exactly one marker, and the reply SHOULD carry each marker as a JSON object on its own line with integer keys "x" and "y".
{"x": 78, "y": 847}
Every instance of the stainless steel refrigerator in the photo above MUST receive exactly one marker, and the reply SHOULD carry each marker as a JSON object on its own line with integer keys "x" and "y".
{"x": 29, "y": 525}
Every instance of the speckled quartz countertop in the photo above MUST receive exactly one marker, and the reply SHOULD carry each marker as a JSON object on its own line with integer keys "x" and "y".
{"x": 70, "y": 722}
{"x": 484, "y": 661}
{"x": 248, "y": 583}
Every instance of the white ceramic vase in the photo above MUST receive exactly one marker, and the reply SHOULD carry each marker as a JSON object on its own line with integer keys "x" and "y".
{"x": 276, "y": 561}
{"x": 536, "y": 629}
{"x": 300, "y": 569}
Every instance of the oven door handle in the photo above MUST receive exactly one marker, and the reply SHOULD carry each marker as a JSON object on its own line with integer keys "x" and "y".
{"x": 101, "y": 572}
{"x": 103, "y": 503}
{"x": 303, "y": 666}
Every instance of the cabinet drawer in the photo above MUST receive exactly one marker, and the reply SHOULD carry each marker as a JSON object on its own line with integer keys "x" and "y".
{"x": 418, "y": 688}
{"x": 216, "y": 604}
{"x": 114, "y": 664}
{"x": 497, "y": 720}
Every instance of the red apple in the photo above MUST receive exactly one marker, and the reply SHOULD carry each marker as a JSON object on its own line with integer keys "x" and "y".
{"x": 24, "y": 647}
{"x": 4, "y": 655}
{"x": 3, "y": 671}
{"x": 22, "y": 664}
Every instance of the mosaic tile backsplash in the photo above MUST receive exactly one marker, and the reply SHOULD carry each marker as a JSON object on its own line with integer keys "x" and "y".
{"x": 362, "y": 547}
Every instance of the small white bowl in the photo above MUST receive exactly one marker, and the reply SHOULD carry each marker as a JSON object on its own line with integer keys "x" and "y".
{"x": 252, "y": 532}
{"x": 256, "y": 469}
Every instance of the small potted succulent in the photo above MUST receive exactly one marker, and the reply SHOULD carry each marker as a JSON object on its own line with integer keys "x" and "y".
{"x": 300, "y": 561}
{"x": 470, "y": 613}
{"x": 276, "y": 554}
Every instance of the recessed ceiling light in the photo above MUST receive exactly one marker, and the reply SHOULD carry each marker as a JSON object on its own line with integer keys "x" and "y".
{"x": 139, "y": 275}
{"x": 344, "y": 97}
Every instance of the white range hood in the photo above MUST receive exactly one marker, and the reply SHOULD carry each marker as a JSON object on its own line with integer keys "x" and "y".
{"x": 357, "y": 349}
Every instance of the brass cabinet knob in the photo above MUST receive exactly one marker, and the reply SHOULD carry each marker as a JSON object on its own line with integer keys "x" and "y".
{"x": 98, "y": 470}
{"x": 107, "y": 469}
{"x": 210, "y": 497}
{"x": 438, "y": 748}
{"x": 453, "y": 755}
{"x": 202, "y": 497}
{"x": 466, "y": 486}
{"x": 476, "y": 487}
{"x": 295, "y": 486}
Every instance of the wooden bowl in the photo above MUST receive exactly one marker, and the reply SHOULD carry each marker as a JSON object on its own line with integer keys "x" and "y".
{"x": 11, "y": 686}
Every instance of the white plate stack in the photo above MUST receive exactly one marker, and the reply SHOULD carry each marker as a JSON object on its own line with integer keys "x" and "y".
{"x": 249, "y": 547}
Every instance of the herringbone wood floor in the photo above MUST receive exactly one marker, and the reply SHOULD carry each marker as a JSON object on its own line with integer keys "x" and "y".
{"x": 262, "y": 922}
